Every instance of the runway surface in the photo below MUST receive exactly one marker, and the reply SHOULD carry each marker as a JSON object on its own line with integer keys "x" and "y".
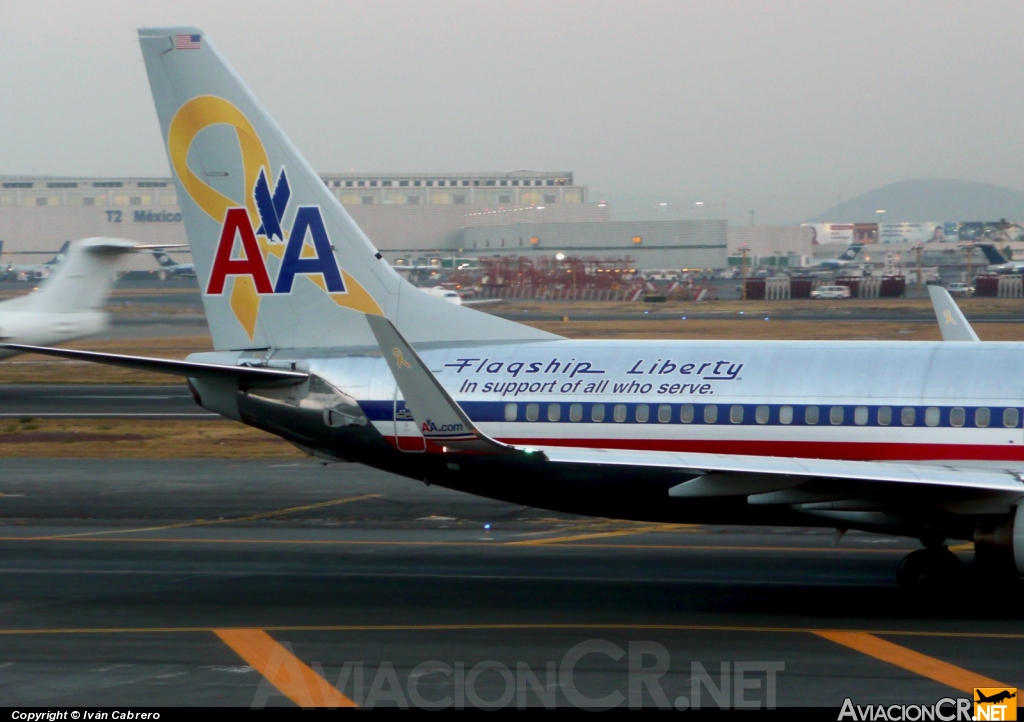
{"x": 69, "y": 401}
{"x": 248, "y": 583}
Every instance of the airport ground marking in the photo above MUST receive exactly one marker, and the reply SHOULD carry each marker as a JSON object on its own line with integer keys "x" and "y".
{"x": 596, "y": 535}
{"x": 210, "y": 522}
{"x": 95, "y": 537}
{"x": 948, "y": 674}
{"x": 518, "y": 626}
{"x": 290, "y": 675}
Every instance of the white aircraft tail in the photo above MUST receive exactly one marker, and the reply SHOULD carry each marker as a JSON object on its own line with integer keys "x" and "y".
{"x": 81, "y": 282}
{"x": 279, "y": 261}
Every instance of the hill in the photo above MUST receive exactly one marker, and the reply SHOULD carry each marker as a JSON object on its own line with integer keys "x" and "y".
{"x": 929, "y": 200}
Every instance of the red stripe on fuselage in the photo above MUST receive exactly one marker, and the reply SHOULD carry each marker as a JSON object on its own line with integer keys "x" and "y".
{"x": 844, "y": 450}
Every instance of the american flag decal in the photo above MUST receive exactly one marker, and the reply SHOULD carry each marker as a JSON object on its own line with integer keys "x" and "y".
{"x": 187, "y": 42}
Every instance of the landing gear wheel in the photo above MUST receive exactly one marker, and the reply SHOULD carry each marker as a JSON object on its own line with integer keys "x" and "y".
{"x": 935, "y": 569}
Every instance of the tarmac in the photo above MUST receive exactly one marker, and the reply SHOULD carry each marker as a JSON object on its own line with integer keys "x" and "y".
{"x": 95, "y": 401}
{"x": 219, "y": 582}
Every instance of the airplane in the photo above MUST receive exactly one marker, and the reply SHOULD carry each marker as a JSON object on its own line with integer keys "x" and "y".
{"x": 68, "y": 304}
{"x": 847, "y": 259}
{"x": 36, "y": 271}
{"x": 996, "y": 698}
{"x": 169, "y": 265}
{"x": 446, "y": 293}
{"x": 319, "y": 341}
{"x": 997, "y": 262}
{"x": 456, "y": 298}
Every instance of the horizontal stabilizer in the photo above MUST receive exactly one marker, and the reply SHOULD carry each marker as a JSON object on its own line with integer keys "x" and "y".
{"x": 243, "y": 375}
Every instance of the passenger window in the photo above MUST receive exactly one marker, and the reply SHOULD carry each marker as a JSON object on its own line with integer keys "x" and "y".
{"x": 836, "y": 415}
{"x": 736, "y": 414}
{"x": 643, "y": 412}
{"x": 811, "y": 415}
{"x": 786, "y": 415}
{"x": 1010, "y": 418}
{"x": 860, "y": 415}
{"x": 619, "y": 412}
{"x": 932, "y": 416}
{"x": 554, "y": 412}
{"x": 761, "y": 414}
{"x": 532, "y": 412}
{"x": 686, "y": 413}
{"x": 981, "y": 417}
{"x": 664, "y": 413}
{"x": 576, "y": 412}
{"x": 957, "y": 416}
{"x": 597, "y": 413}
{"x": 884, "y": 415}
{"x": 710, "y": 414}
{"x": 907, "y": 416}
{"x": 511, "y": 412}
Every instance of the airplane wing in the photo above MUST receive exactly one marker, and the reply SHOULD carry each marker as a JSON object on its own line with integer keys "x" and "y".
{"x": 837, "y": 489}
{"x": 951, "y": 319}
{"x": 251, "y": 376}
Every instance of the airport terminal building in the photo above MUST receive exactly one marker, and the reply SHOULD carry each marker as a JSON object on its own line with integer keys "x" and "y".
{"x": 410, "y": 217}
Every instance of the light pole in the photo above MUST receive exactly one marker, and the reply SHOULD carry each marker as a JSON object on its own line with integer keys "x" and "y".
{"x": 919, "y": 248}
{"x": 969, "y": 248}
{"x": 743, "y": 271}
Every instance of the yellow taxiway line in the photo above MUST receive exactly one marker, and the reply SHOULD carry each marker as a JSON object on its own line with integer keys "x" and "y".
{"x": 921, "y": 664}
{"x": 208, "y": 522}
{"x": 289, "y": 674}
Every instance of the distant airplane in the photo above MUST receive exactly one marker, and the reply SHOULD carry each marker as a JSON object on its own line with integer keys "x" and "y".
{"x": 168, "y": 264}
{"x": 36, "y": 271}
{"x": 997, "y": 263}
{"x": 848, "y": 258}
{"x": 68, "y": 303}
{"x": 456, "y": 298}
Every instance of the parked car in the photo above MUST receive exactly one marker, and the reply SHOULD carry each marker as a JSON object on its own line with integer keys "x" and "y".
{"x": 960, "y": 289}
{"x": 831, "y": 292}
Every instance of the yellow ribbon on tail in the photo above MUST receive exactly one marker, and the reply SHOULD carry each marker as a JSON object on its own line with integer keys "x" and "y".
{"x": 193, "y": 117}
{"x": 397, "y": 353}
{"x": 948, "y": 315}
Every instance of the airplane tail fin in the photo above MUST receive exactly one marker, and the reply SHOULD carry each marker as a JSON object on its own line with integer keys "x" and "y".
{"x": 162, "y": 258}
{"x": 995, "y": 258}
{"x": 82, "y": 281}
{"x": 279, "y": 261}
{"x": 852, "y": 252}
{"x": 62, "y": 252}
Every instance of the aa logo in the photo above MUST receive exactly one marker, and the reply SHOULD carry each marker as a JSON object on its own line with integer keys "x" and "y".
{"x": 253, "y": 228}
{"x": 995, "y": 703}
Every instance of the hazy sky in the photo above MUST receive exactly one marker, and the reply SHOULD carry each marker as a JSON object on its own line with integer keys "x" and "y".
{"x": 781, "y": 107}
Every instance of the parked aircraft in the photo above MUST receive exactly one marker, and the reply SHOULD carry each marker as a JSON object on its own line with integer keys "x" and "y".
{"x": 320, "y": 341}
{"x": 997, "y": 262}
{"x": 169, "y": 265}
{"x": 454, "y": 297}
{"x": 36, "y": 271}
{"x": 847, "y": 259}
{"x": 68, "y": 304}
